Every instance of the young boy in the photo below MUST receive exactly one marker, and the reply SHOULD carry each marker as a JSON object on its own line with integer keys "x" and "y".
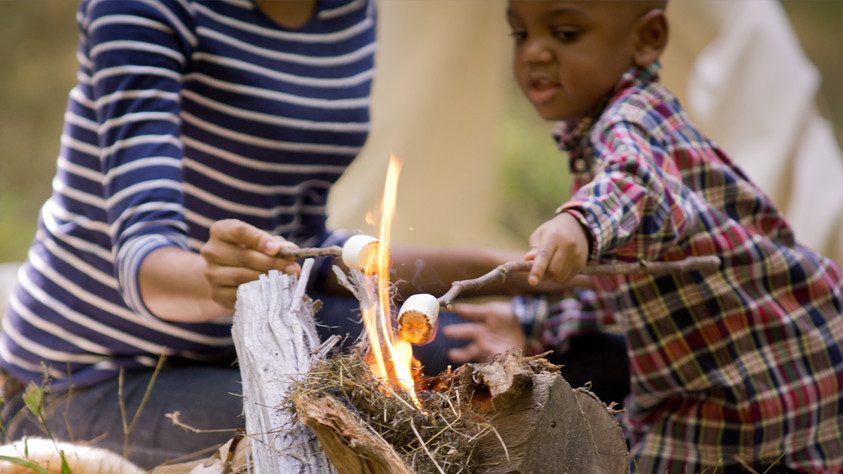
{"x": 733, "y": 368}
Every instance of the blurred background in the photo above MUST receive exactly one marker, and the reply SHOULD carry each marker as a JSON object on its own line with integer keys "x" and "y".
{"x": 480, "y": 167}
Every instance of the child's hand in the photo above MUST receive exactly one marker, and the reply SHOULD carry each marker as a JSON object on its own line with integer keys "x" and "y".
{"x": 237, "y": 253}
{"x": 559, "y": 247}
{"x": 494, "y": 329}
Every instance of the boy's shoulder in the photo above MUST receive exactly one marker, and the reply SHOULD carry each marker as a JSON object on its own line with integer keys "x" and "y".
{"x": 641, "y": 100}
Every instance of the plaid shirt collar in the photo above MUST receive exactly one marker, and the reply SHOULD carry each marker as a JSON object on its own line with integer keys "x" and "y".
{"x": 572, "y": 135}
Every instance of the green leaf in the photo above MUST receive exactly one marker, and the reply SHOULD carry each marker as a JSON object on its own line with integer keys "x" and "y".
{"x": 28, "y": 464}
{"x": 33, "y": 397}
{"x": 65, "y": 468}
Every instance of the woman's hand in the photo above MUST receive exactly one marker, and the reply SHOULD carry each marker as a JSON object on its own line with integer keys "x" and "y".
{"x": 493, "y": 329}
{"x": 237, "y": 253}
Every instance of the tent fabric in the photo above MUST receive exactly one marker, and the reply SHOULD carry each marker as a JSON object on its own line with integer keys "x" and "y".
{"x": 443, "y": 84}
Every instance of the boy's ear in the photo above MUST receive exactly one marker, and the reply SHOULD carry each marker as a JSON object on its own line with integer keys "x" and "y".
{"x": 650, "y": 37}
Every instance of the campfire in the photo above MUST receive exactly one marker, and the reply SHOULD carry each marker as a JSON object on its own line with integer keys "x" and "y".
{"x": 373, "y": 401}
{"x": 310, "y": 408}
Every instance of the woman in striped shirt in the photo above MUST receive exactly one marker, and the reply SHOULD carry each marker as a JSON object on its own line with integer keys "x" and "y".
{"x": 200, "y": 138}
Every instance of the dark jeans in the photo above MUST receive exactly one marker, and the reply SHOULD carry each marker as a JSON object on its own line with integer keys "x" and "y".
{"x": 599, "y": 358}
{"x": 207, "y": 396}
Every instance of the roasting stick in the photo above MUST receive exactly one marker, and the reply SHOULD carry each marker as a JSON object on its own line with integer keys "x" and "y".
{"x": 417, "y": 318}
{"x": 308, "y": 252}
{"x": 355, "y": 253}
{"x": 418, "y": 315}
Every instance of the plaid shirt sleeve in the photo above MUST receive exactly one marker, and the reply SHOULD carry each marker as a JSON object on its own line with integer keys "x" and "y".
{"x": 636, "y": 191}
{"x": 550, "y": 323}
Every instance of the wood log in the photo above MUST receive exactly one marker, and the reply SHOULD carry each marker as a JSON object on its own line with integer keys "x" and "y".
{"x": 275, "y": 337}
{"x": 540, "y": 425}
{"x": 351, "y": 446}
{"x": 546, "y": 426}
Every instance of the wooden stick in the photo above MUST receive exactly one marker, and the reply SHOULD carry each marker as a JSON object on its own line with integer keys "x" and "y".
{"x": 309, "y": 252}
{"x": 704, "y": 264}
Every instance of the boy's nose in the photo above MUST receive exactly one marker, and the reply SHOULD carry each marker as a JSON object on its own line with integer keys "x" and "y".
{"x": 537, "y": 51}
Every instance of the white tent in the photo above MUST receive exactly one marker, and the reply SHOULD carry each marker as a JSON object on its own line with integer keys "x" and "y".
{"x": 443, "y": 78}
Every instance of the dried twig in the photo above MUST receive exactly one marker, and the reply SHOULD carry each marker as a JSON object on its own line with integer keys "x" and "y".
{"x": 424, "y": 446}
{"x": 175, "y": 419}
{"x": 707, "y": 263}
{"x": 309, "y": 252}
{"x": 128, "y": 426}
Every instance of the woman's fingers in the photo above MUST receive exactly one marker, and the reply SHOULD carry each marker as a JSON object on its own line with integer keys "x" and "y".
{"x": 224, "y": 295}
{"x": 234, "y": 243}
{"x": 471, "y": 312}
{"x": 469, "y": 353}
{"x": 230, "y": 276}
{"x": 463, "y": 332}
{"x": 228, "y": 255}
{"x": 240, "y": 234}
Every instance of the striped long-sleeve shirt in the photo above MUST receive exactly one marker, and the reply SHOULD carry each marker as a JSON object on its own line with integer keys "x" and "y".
{"x": 739, "y": 366}
{"x": 185, "y": 112}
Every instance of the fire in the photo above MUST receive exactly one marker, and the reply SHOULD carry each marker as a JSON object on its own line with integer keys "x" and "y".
{"x": 377, "y": 319}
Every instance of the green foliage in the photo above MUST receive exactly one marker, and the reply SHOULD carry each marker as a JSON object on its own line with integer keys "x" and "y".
{"x": 17, "y": 225}
{"x": 39, "y": 65}
{"x": 31, "y": 465}
{"x": 817, "y": 24}
{"x": 33, "y": 398}
{"x": 534, "y": 178}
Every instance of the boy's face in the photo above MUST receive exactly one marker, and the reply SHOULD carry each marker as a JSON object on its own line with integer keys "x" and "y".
{"x": 570, "y": 54}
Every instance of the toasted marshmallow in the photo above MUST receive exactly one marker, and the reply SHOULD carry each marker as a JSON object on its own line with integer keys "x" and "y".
{"x": 417, "y": 319}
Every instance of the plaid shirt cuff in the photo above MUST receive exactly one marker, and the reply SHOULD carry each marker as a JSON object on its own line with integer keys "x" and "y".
{"x": 532, "y": 312}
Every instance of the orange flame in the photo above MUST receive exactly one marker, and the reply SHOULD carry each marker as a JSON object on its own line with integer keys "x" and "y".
{"x": 377, "y": 319}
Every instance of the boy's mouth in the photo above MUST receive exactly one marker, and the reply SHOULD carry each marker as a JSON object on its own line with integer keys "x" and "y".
{"x": 541, "y": 90}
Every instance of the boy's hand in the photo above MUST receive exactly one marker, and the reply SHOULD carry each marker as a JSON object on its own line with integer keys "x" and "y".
{"x": 494, "y": 329}
{"x": 559, "y": 247}
{"x": 237, "y": 253}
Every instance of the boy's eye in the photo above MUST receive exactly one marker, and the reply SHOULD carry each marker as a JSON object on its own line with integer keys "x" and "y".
{"x": 518, "y": 35}
{"x": 566, "y": 34}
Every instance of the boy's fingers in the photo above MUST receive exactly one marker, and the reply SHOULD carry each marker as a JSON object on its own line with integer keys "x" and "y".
{"x": 539, "y": 267}
{"x": 225, "y": 296}
{"x": 558, "y": 263}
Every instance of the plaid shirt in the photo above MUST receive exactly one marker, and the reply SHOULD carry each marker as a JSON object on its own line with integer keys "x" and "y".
{"x": 739, "y": 366}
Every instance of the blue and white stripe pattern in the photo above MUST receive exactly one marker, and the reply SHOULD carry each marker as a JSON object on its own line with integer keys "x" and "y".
{"x": 186, "y": 112}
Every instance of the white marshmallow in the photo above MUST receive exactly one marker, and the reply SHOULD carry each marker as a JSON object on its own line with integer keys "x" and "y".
{"x": 417, "y": 318}
{"x": 358, "y": 250}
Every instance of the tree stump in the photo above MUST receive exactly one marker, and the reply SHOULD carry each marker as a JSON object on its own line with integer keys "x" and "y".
{"x": 546, "y": 426}
{"x": 275, "y": 337}
{"x": 540, "y": 425}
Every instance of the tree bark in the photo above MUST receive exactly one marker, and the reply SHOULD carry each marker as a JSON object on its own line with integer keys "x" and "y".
{"x": 275, "y": 337}
{"x": 544, "y": 424}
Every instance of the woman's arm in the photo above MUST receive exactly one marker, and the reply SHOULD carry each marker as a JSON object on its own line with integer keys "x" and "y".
{"x": 180, "y": 285}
